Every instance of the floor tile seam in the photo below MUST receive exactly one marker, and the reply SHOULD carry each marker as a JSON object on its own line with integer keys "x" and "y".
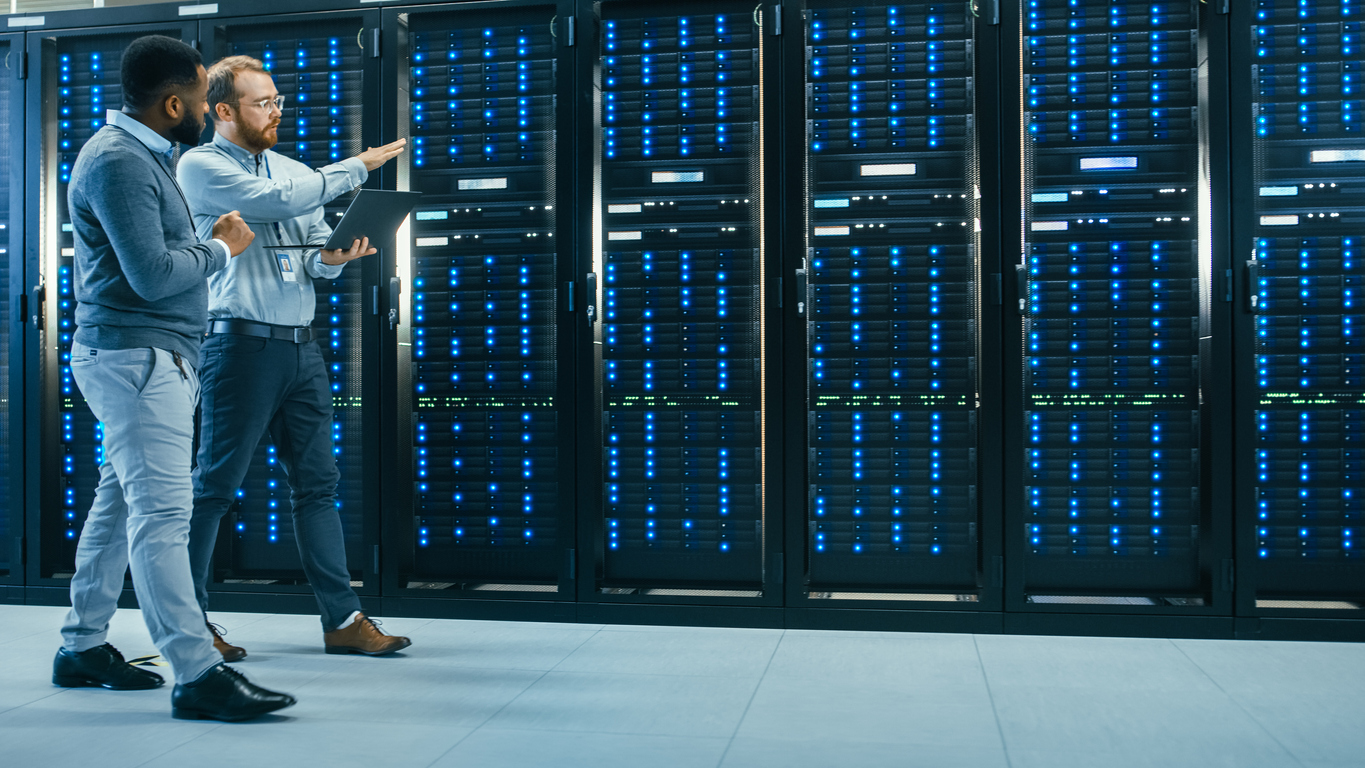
{"x": 752, "y": 695}
{"x": 1237, "y": 703}
{"x": 44, "y": 697}
{"x": 990, "y": 696}
{"x": 510, "y": 701}
{"x": 29, "y": 636}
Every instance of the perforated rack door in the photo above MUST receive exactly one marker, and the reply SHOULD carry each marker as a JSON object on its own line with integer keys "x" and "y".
{"x": 11, "y": 281}
{"x": 680, "y": 359}
{"x": 79, "y": 81}
{"x": 1112, "y": 298}
{"x": 1308, "y": 75}
{"x": 486, "y": 387}
{"x": 320, "y": 65}
{"x": 892, "y": 303}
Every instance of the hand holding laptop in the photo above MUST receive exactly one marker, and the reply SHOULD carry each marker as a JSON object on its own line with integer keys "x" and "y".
{"x": 358, "y": 248}
{"x": 373, "y": 215}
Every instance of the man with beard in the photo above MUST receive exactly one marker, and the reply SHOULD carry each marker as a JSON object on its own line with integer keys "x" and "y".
{"x": 141, "y": 297}
{"x": 263, "y": 368}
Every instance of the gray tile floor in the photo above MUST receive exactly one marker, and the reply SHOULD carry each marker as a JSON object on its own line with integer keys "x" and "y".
{"x": 476, "y": 693}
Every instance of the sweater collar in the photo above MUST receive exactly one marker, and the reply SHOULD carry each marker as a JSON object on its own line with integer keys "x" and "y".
{"x": 153, "y": 140}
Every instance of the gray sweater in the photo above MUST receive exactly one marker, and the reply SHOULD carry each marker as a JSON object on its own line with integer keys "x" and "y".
{"x": 140, "y": 272}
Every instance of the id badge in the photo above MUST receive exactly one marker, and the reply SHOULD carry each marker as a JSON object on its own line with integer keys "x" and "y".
{"x": 286, "y": 264}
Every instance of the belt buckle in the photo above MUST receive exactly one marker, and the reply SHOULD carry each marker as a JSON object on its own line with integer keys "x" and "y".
{"x": 303, "y": 335}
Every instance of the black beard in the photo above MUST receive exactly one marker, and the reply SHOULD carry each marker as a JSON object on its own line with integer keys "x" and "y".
{"x": 188, "y": 131}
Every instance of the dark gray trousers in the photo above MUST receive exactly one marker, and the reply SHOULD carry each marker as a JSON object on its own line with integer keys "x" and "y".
{"x": 250, "y": 386}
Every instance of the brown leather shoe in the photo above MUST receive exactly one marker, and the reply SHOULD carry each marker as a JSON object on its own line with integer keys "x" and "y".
{"x": 229, "y": 651}
{"x": 363, "y": 636}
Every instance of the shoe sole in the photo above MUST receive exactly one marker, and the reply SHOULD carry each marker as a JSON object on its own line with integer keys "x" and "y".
{"x": 191, "y": 714}
{"x": 343, "y": 649}
{"x": 65, "y": 681}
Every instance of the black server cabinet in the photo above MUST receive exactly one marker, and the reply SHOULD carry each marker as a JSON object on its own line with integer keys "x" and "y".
{"x": 326, "y": 67}
{"x": 1111, "y": 449}
{"x": 13, "y": 309}
{"x": 1299, "y": 514}
{"x": 73, "y": 80}
{"x": 484, "y": 483}
{"x": 676, "y": 301}
{"x": 888, "y": 291}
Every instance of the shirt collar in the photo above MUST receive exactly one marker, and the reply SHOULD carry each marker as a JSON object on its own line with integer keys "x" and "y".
{"x": 238, "y": 153}
{"x": 153, "y": 140}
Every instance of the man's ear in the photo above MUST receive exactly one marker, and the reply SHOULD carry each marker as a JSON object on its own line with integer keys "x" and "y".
{"x": 173, "y": 106}
{"x": 222, "y": 112}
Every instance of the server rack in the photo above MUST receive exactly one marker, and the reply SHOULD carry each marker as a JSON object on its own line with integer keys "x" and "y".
{"x": 13, "y": 308}
{"x": 326, "y": 66}
{"x": 74, "y": 79}
{"x": 1110, "y": 430}
{"x": 888, "y": 295}
{"x": 676, "y": 299}
{"x": 1299, "y": 504}
{"x": 484, "y": 487}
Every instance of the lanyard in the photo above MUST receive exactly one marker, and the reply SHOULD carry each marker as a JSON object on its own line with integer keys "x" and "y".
{"x": 279, "y": 233}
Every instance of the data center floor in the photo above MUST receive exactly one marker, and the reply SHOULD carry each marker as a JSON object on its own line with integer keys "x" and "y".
{"x": 478, "y": 693}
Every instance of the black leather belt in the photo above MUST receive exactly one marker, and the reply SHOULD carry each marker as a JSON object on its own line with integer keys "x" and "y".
{"x": 301, "y": 335}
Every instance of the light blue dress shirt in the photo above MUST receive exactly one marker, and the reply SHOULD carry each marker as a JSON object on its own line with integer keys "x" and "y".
{"x": 158, "y": 144}
{"x": 282, "y": 203}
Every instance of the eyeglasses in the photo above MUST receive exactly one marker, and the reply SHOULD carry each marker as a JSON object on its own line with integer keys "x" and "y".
{"x": 264, "y": 104}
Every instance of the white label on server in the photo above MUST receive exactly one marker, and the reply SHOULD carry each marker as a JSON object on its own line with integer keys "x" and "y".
{"x": 1336, "y": 155}
{"x": 1108, "y": 163}
{"x": 427, "y": 242}
{"x": 635, "y": 235}
{"x": 1279, "y": 191}
{"x": 842, "y": 202}
{"x": 468, "y": 184}
{"x": 827, "y": 231}
{"x": 677, "y": 177}
{"x": 26, "y": 21}
{"x": 1279, "y": 221}
{"x": 887, "y": 169}
{"x": 1049, "y": 226}
{"x": 625, "y": 208}
{"x": 198, "y": 10}
{"x": 68, "y": 251}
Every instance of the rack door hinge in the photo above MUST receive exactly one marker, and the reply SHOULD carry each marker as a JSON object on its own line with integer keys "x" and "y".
{"x": 570, "y": 31}
{"x": 21, "y": 66}
{"x": 777, "y": 20}
{"x": 376, "y": 40}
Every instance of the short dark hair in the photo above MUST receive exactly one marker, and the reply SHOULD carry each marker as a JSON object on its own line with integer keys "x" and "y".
{"x": 155, "y": 65}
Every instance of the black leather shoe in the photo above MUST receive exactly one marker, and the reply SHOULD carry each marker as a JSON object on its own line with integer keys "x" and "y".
{"x": 223, "y": 693}
{"x": 101, "y": 667}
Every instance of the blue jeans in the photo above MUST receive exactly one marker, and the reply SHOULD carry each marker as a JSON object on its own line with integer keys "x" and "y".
{"x": 252, "y": 386}
{"x": 141, "y": 515}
